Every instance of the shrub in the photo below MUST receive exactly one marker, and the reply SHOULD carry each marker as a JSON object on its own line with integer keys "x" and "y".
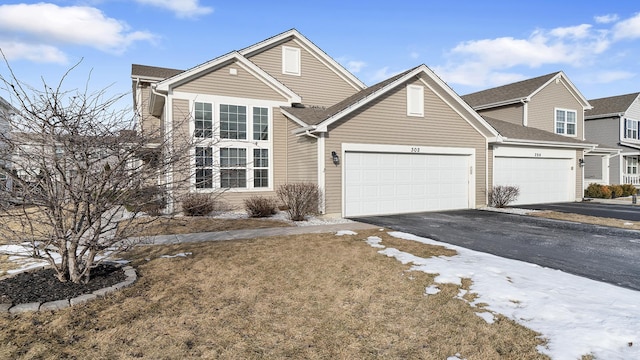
{"x": 616, "y": 190}
{"x": 594, "y": 191}
{"x": 260, "y": 206}
{"x": 502, "y": 195}
{"x": 606, "y": 192}
{"x": 628, "y": 190}
{"x": 198, "y": 204}
{"x": 299, "y": 199}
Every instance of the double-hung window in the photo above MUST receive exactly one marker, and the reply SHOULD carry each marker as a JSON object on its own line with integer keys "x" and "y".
{"x": 233, "y": 122}
{"x": 632, "y": 165}
{"x": 566, "y": 122}
{"x": 204, "y": 167}
{"x": 260, "y": 168}
{"x": 631, "y": 129}
{"x": 233, "y": 172}
{"x": 203, "y": 116}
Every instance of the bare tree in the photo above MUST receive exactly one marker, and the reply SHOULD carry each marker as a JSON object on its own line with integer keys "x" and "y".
{"x": 81, "y": 175}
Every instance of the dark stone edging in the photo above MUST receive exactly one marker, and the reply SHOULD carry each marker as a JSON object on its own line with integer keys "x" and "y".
{"x": 129, "y": 272}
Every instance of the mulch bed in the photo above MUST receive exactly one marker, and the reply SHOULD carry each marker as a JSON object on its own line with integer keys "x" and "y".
{"x": 43, "y": 285}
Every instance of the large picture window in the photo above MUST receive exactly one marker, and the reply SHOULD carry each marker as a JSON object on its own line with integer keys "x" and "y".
{"x": 233, "y": 122}
{"x": 203, "y": 115}
{"x": 566, "y": 122}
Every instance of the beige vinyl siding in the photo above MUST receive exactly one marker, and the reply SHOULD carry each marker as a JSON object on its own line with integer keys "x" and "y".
{"x": 543, "y": 105}
{"x": 221, "y": 82}
{"x": 317, "y": 85}
{"x": 182, "y": 173}
{"x": 511, "y": 113}
{"x": 384, "y": 121}
{"x": 149, "y": 125}
{"x": 302, "y": 157}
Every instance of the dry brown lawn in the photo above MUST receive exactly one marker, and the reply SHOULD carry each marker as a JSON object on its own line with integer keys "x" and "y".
{"x": 316, "y": 296}
{"x": 625, "y": 224}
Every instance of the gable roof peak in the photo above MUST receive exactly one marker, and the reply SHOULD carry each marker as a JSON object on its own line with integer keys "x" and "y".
{"x": 510, "y": 93}
{"x": 611, "y": 105}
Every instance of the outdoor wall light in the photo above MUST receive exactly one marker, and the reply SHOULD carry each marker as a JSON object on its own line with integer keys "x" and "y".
{"x": 335, "y": 157}
{"x": 581, "y": 162}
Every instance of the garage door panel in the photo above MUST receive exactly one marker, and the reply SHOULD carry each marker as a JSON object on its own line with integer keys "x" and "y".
{"x": 387, "y": 183}
{"x": 540, "y": 180}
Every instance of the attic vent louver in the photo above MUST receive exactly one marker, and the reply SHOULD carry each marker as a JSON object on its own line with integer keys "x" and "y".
{"x": 297, "y": 105}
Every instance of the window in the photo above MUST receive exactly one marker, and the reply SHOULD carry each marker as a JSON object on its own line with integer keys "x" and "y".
{"x": 233, "y": 122}
{"x": 204, "y": 167}
{"x": 415, "y": 100}
{"x": 565, "y": 122}
{"x": 632, "y": 165}
{"x": 260, "y": 123}
{"x": 631, "y": 129}
{"x": 233, "y": 172}
{"x": 260, "y": 168}
{"x": 290, "y": 61}
{"x": 204, "y": 120}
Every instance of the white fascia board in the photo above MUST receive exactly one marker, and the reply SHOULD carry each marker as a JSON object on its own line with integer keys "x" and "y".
{"x": 604, "y": 151}
{"x": 507, "y": 141}
{"x": 166, "y": 85}
{"x": 572, "y": 89}
{"x": 295, "y": 119}
{"x": 591, "y": 117}
{"x": 321, "y": 55}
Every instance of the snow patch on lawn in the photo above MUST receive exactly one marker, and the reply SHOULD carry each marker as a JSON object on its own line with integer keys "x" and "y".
{"x": 432, "y": 290}
{"x": 577, "y": 316}
{"x": 516, "y": 211}
{"x": 182, "y": 254}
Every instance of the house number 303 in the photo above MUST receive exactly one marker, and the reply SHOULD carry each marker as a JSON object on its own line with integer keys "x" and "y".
{"x": 415, "y": 150}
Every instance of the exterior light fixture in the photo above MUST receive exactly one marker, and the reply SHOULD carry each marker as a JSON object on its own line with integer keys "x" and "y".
{"x": 335, "y": 158}
{"x": 581, "y": 162}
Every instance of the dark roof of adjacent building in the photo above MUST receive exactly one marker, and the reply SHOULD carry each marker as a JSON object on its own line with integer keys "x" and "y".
{"x": 518, "y": 132}
{"x": 514, "y": 91}
{"x": 611, "y": 105}
{"x": 315, "y": 115}
{"x": 153, "y": 71}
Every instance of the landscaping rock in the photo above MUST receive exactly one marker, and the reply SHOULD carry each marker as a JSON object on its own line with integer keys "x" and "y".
{"x": 5, "y": 307}
{"x": 20, "y": 308}
{"x": 104, "y": 292}
{"x": 82, "y": 299}
{"x": 55, "y": 305}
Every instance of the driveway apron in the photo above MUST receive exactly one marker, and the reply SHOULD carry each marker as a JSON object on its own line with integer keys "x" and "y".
{"x": 601, "y": 253}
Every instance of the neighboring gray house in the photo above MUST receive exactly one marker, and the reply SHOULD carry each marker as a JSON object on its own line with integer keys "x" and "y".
{"x": 6, "y": 110}
{"x": 614, "y": 122}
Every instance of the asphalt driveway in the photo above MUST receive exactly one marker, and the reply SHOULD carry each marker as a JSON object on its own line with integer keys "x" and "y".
{"x": 601, "y": 253}
{"x": 616, "y": 211}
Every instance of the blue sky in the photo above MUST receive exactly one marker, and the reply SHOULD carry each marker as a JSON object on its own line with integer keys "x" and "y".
{"x": 472, "y": 45}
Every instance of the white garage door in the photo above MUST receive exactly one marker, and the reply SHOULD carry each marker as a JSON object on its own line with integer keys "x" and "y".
{"x": 392, "y": 183}
{"x": 541, "y": 180}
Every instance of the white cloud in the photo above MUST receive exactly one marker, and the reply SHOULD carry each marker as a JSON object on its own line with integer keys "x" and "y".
{"x": 414, "y": 55}
{"x": 606, "y": 19}
{"x": 355, "y": 66}
{"x": 36, "y": 53}
{"x": 182, "y": 8}
{"x": 23, "y": 37}
{"x": 381, "y": 74}
{"x": 486, "y": 62}
{"x": 627, "y": 29}
{"x": 605, "y": 77}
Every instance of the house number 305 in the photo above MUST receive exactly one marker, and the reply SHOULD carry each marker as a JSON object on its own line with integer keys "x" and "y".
{"x": 415, "y": 150}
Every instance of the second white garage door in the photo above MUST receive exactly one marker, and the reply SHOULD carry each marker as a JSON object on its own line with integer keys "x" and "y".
{"x": 541, "y": 180}
{"x": 393, "y": 183}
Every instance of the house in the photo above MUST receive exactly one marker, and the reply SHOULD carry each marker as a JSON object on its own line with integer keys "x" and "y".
{"x": 613, "y": 122}
{"x": 283, "y": 111}
{"x": 541, "y": 144}
{"x": 6, "y": 111}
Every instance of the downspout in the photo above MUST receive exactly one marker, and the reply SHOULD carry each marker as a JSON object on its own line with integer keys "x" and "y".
{"x": 168, "y": 177}
{"x": 321, "y": 171}
{"x": 525, "y": 111}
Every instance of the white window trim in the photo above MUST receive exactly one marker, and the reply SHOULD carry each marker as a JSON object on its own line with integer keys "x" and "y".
{"x": 415, "y": 109}
{"x": 625, "y": 129}
{"x": 216, "y": 143}
{"x": 555, "y": 122}
{"x": 288, "y": 51}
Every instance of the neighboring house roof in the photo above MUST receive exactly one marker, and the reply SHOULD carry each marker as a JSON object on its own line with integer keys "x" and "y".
{"x": 611, "y": 106}
{"x": 152, "y": 72}
{"x": 520, "y": 91}
{"x": 318, "y": 119}
{"x": 513, "y": 133}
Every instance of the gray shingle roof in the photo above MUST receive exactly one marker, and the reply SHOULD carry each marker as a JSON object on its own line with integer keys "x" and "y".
{"x": 518, "y": 132}
{"x": 513, "y": 91}
{"x": 316, "y": 115}
{"x": 153, "y": 71}
{"x": 611, "y": 105}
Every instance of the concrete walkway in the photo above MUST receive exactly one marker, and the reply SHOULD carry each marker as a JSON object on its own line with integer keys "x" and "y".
{"x": 254, "y": 233}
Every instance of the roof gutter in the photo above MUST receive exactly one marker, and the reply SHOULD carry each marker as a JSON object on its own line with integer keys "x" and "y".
{"x": 603, "y": 116}
{"x": 507, "y": 141}
{"x": 502, "y": 103}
